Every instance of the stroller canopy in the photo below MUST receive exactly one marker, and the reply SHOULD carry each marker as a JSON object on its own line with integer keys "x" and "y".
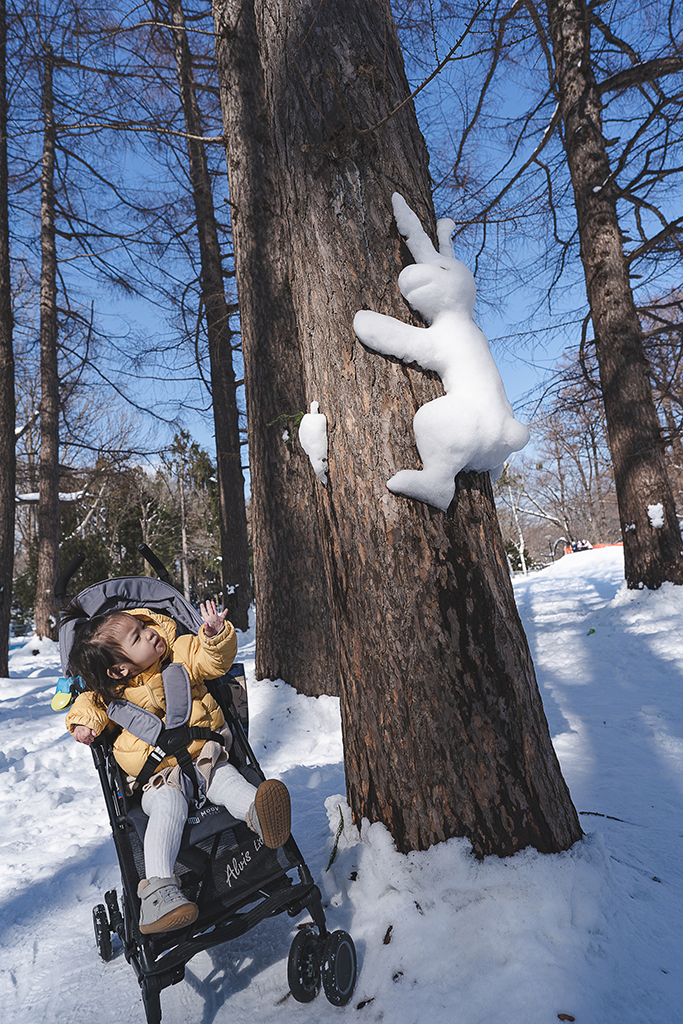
{"x": 130, "y": 592}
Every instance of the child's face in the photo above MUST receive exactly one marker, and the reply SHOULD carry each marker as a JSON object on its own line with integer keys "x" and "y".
{"x": 141, "y": 645}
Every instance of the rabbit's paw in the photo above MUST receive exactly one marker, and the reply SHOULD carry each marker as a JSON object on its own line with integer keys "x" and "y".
{"x": 387, "y": 335}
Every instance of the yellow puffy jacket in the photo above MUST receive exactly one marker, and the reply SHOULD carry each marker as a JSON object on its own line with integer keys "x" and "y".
{"x": 204, "y": 658}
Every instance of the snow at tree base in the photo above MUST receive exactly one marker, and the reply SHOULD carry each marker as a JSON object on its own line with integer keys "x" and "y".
{"x": 472, "y": 426}
{"x": 595, "y": 933}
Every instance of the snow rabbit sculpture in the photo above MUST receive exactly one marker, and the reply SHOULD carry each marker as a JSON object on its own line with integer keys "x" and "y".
{"x": 472, "y": 426}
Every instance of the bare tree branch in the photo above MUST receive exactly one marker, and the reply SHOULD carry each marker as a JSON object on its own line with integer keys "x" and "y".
{"x": 640, "y": 74}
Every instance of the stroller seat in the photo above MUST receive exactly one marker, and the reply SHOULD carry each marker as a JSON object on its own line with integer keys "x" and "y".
{"x": 221, "y": 863}
{"x": 202, "y": 823}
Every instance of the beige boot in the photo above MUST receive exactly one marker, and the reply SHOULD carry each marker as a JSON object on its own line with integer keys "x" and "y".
{"x": 163, "y": 907}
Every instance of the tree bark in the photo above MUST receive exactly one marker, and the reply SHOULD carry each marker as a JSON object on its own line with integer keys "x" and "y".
{"x": 46, "y": 610}
{"x": 289, "y": 570}
{"x": 651, "y": 555}
{"x": 7, "y": 403}
{"x": 184, "y": 559}
{"x": 444, "y": 730}
{"x": 236, "y": 576}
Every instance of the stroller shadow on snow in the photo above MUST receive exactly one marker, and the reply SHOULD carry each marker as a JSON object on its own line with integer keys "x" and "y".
{"x": 224, "y": 868}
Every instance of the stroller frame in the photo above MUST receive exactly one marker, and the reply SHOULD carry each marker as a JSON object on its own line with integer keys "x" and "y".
{"x": 223, "y": 867}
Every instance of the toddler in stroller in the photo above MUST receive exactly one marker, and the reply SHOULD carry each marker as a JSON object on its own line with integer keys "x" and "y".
{"x": 219, "y": 858}
{"x": 122, "y": 655}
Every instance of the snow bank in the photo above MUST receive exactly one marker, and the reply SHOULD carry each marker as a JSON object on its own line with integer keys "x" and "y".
{"x": 498, "y": 940}
{"x": 594, "y": 933}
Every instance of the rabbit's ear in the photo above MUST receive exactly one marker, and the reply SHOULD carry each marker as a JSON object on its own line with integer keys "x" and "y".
{"x": 444, "y": 229}
{"x": 417, "y": 239}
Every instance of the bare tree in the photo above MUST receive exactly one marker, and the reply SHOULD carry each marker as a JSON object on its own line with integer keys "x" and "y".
{"x": 7, "y": 403}
{"x": 290, "y": 577}
{"x": 99, "y": 225}
{"x": 148, "y": 69}
{"x": 48, "y": 505}
{"x": 652, "y": 554}
{"x": 581, "y": 80}
{"x": 567, "y": 484}
{"x": 662, "y": 319}
{"x": 237, "y": 590}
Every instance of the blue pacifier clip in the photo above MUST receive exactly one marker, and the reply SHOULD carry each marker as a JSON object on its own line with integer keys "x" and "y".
{"x": 68, "y": 688}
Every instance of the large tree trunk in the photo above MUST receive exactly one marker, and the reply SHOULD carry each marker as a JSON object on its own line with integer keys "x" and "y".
{"x": 46, "y": 611}
{"x": 237, "y": 590}
{"x": 651, "y": 554}
{"x": 7, "y": 409}
{"x": 289, "y": 570}
{"x": 444, "y": 731}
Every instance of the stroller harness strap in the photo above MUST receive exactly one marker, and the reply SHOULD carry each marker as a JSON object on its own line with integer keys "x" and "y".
{"x": 170, "y": 736}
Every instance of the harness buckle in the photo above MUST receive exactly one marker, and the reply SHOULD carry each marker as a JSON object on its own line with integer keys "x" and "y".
{"x": 175, "y": 739}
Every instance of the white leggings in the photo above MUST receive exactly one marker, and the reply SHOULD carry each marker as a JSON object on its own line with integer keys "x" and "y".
{"x": 167, "y": 810}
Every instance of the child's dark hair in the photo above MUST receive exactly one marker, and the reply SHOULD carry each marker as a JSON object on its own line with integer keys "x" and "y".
{"x": 95, "y": 649}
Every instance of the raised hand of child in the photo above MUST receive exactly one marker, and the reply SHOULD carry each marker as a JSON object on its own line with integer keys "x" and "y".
{"x": 213, "y": 619}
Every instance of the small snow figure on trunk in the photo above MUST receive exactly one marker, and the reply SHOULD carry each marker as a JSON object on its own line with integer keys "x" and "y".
{"x": 472, "y": 426}
{"x": 313, "y": 440}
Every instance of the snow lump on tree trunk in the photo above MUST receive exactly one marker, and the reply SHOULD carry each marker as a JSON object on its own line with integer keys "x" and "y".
{"x": 313, "y": 440}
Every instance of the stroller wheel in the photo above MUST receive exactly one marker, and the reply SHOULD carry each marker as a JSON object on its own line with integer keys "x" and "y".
{"x": 339, "y": 967}
{"x": 303, "y": 966}
{"x": 102, "y": 933}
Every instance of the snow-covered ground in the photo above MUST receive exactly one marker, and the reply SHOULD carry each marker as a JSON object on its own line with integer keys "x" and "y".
{"x": 595, "y": 933}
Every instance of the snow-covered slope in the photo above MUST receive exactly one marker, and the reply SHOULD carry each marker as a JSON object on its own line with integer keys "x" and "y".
{"x": 594, "y": 933}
